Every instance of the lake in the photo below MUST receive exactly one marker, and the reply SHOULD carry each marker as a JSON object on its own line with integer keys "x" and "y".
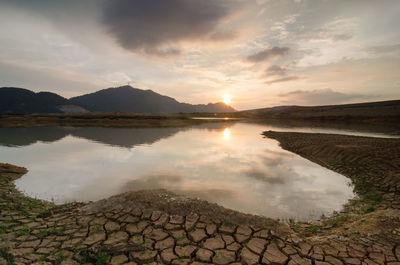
{"x": 229, "y": 163}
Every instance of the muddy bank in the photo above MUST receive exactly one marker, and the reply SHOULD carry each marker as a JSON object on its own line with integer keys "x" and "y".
{"x": 174, "y": 204}
{"x": 373, "y": 165}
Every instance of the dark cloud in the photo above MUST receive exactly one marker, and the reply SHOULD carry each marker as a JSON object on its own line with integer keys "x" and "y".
{"x": 152, "y": 26}
{"x": 283, "y": 79}
{"x": 279, "y": 74}
{"x": 268, "y": 53}
{"x": 275, "y": 70}
{"x": 322, "y": 96}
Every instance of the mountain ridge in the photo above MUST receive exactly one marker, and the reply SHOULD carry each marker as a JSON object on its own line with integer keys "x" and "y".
{"x": 117, "y": 99}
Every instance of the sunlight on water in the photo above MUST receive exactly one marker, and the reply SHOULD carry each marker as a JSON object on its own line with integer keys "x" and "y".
{"x": 227, "y": 133}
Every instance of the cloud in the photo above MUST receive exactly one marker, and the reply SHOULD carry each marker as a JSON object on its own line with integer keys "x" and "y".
{"x": 321, "y": 96}
{"x": 222, "y": 35}
{"x": 158, "y": 26}
{"x": 268, "y": 53}
{"x": 342, "y": 37}
{"x": 275, "y": 70}
{"x": 384, "y": 49}
{"x": 283, "y": 79}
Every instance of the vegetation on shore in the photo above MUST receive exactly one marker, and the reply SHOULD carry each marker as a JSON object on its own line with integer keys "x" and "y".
{"x": 101, "y": 120}
{"x": 380, "y": 113}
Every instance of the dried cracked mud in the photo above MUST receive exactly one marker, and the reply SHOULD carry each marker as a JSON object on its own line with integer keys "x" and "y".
{"x": 158, "y": 227}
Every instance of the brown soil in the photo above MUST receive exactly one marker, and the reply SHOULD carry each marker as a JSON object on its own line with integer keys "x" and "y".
{"x": 373, "y": 165}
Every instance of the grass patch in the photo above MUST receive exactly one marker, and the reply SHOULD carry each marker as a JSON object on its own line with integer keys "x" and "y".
{"x": 361, "y": 185}
{"x": 314, "y": 228}
{"x": 5, "y": 206}
{"x": 3, "y": 230}
{"x": 60, "y": 254}
{"x": 102, "y": 259}
{"x": 369, "y": 209}
{"x": 48, "y": 232}
{"x": 24, "y": 231}
{"x": 5, "y": 255}
{"x": 373, "y": 197}
{"x": 336, "y": 221}
{"x": 89, "y": 257}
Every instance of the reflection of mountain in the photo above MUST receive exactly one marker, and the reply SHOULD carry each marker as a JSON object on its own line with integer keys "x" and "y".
{"x": 28, "y": 136}
{"x": 122, "y": 137}
{"x": 389, "y": 128}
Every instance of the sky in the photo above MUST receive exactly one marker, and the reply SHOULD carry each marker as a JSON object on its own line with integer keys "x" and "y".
{"x": 261, "y": 53}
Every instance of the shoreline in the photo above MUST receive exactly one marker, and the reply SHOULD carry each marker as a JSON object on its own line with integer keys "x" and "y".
{"x": 372, "y": 166}
{"x": 159, "y": 226}
{"x": 102, "y": 120}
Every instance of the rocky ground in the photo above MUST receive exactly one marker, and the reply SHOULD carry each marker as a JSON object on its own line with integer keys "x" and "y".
{"x": 158, "y": 227}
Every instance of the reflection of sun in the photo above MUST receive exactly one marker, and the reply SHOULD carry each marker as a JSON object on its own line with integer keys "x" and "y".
{"x": 227, "y": 133}
{"x": 227, "y": 99}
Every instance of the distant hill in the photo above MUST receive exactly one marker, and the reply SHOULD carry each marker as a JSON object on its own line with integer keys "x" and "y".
{"x": 382, "y": 110}
{"x": 23, "y": 101}
{"x": 120, "y": 99}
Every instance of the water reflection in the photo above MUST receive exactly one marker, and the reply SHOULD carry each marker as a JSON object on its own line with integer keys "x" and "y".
{"x": 227, "y": 133}
{"x": 122, "y": 137}
{"x": 227, "y": 163}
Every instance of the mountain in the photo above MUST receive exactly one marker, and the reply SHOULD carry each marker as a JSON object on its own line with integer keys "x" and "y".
{"x": 23, "y": 101}
{"x": 129, "y": 99}
{"x": 367, "y": 109}
{"x": 118, "y": 99}
{"x": 373, "y": 112}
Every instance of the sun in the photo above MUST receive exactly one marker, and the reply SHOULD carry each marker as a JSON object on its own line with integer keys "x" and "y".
{"x": 227, "y": 99}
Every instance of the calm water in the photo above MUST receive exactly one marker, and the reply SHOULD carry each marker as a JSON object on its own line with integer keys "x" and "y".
{"x": 227, "y": 163}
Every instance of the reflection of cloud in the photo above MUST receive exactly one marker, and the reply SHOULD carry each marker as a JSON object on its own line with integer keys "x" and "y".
{"x": 302, "y": 203}
{"x": 268, "y": 53}
{"x": 277, "y": 161}
{"x": 175, "y": 183}
{"x": 321, "y": 96}
{"x": 211, "y": 195}
{"x": 266, "y": 176}
{"x": 159, "y": 181}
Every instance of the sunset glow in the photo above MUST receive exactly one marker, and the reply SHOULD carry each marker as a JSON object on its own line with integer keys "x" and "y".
{"x": 227, "y": 99}
{"x": 264, "y": 53}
